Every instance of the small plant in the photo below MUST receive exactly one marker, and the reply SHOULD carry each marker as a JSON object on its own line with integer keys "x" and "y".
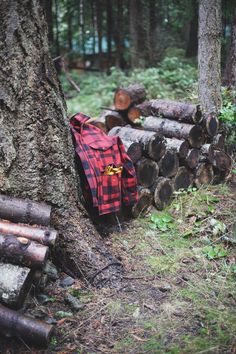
{"x": 162, "y": 221}
{"x": 214, "y": 252}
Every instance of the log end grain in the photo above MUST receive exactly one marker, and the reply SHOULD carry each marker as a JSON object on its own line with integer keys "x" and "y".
{"x": 183, "y": 179}
{"x": 196, "y": 136}
{"x": 134, "y": 113}
{"x": 122, "y": 99}
{"x": 114, "y": 120}
{"x": 204, "y": 174}
{"x": 169, "y": 164}
{"x": 156, "y": 147}
{"x": 192, "y": 158}
{"x": 222, "y": 160}
{"x": 162, "y": 193}
{"x": 134, "y": 150}
{"x": 147, "y": 172}
{"x": 144, "y": 203}
{"x": 211, "y": 124}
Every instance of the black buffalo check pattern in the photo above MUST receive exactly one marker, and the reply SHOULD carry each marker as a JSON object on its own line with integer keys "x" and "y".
{"x": 96, "y": 152}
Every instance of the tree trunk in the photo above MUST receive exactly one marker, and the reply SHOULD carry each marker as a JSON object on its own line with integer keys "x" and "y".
{"x": 119, "y": 35}
{"x": 209, "y": 55}
{"x": 109, "y": 31}
{"x": 15, "y": 284}
{"x": 98, "y": 7}
{"x": 37, "y": 153}
{"x": 135, "y": 24}
{"x": 192, "y": 46}
{"x": 49, "y": 17}
{"x": 230, "y": 70}
{"x": 172, "y": 129}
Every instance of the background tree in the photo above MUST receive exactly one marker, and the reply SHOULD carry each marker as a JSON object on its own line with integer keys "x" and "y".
{"x": 209, "y": 54}
{"x": 36, "y": 153}
{"x": 230, "y": 70}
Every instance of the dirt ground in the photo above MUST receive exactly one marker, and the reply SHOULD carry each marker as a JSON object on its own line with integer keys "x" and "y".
{"x": 177, "y": 292}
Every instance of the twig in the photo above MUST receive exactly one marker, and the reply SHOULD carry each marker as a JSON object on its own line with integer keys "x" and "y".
{"x": 104, "y": 268}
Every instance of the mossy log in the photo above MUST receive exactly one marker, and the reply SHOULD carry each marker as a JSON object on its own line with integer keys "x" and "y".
{"x": 15, "y": 284}
{"x": 147, "y": 171}
{"x": 125, "y": 97}
{"x": 153, "y": 144}
{"x": 171, "y": 129}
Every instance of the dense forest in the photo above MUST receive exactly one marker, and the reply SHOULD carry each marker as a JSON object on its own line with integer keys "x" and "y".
{"x": 155, "y": 274}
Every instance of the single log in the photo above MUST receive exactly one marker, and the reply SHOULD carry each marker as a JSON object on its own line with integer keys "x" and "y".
{"x": 144, "y": 202}
{"x": 219, "y": 175}
{"x": 15, "y": 284}
{"x": 147, "y": 171}
{"x": 99, "y": 123}
{"x": 153, "y": 144}
{"x": 20, "y": 250}
{"x": 211, "y": 123}
{"x": 163, "y": 190}
{"x": 180, "y": 147}
{"x": 125, "y": 97}
{"x": 218, "y": 142}
{"x": 207, "y": 153}
{"x": 31, "y": 331}
{"x": 24, "y": 211}
{"x": 180, "y": 111}
{"x": 114, "y": 119}
{"x": 133, "y": 114}
{"x": 42, "y": 235}
{"x": 172, "y": 129}
{"x": 183, "y": 179}
{"x": 169, "y": 164}
{"x": 203, "y": 174}
{"x": 192, "y": 159}
{"x": 222, "y": 160}
{"x": 134, "y": 150}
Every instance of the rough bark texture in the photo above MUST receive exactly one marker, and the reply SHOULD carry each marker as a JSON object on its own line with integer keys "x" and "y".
{"x": 172, "y": 129}
{"x": 180, "y": 111}
{"x": 36, "y": 159}
{"x": 209, "y": 54}
{"x": 15, "y": 283}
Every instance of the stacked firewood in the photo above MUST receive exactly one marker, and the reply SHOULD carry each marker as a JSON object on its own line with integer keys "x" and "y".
{"x": 25, "y": 239}
{"x": 172, "y": 144}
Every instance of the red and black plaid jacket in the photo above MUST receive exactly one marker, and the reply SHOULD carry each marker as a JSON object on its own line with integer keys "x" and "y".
{"x": 96, "y": 151}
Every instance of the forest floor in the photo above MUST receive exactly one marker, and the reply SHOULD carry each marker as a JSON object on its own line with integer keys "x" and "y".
{"x": 177, "y": 294}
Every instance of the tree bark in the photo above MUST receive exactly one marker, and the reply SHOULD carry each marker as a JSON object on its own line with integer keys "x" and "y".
{"x": 153, "y": 144}
{"x": 172, "y": 129}
{"x": 182, "y": 112}
{"x": 37, "y": 153}
{"x": 15, "y": 284}
{"x": 209, "y": 55}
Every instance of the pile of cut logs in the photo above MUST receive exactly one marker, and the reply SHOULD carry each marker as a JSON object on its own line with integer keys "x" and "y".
{"x": 172, "y": 144}
{"x": 25, "y": 238}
